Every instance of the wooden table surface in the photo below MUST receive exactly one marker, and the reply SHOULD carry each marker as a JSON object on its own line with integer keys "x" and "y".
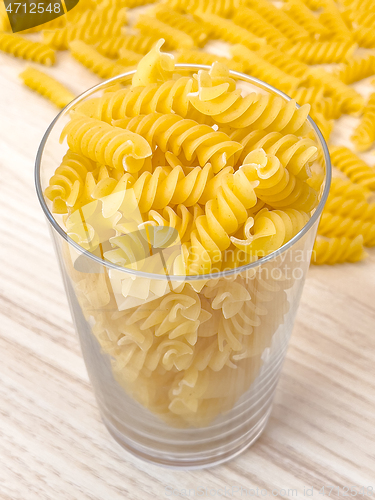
{"x": 52, "y": 442}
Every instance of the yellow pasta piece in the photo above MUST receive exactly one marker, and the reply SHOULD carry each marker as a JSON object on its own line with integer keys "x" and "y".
{"x": 182, "y": 22}
{"x": 90, "y": 27}
{"x": 170, "y": 96}
{"x": 260, "y": 111}
{"x": 357, "y": 68}
{"x": 350, "y": 101}
{"x": 295, "y": 154}
{"x": 322, "y": 52}
{"x": 363, "y": 18}
{"x": 354, "y": 208}
{"x": 175, "y": 38}
{"x": 155, "y": 67}
{"x": 110, "y": 47}
{"x": 269, "y": 230}
{"x": 200, "y": 57}
{"x": 179, "y": 135}
{"x": 128, "y": 57}
{"x": 364, "y": 135}
{"x": 227, "y": 30}
{"x": 337, "y": 226}
{"x": 325, "y": 125}
{"x": 301, "y": 14}
{"x": 284, "y": 61}
{"x": 18, "y": 46}
{"x": 47, "y": 86}
{"x": 347, "y": 189}
{"x": 332, "y": 19}
{"x": 278, "y": 19}
{"x": 222, "y": 8}
{"x": 254, "y": 22}
{"x": 112, "y": 146}
{"x": 329, "y": 107}
{"x": 365, "y": 37}
{"x": 94, "y": 61}
{"x": 337, "y": 250}
{"x": 254, "y": 65}
{"x": 307, "y": 95}
{"x": 352, "y": 166}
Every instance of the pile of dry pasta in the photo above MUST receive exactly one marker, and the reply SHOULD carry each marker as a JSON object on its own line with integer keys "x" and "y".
{"x": 231, "y": 175}
{"x": 313, "y": 50}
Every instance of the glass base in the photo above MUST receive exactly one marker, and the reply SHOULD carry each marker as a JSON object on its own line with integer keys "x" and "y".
{"x": 207, "y": 458}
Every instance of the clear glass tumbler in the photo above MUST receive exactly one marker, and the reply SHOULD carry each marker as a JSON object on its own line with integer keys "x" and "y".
{"x": 184, "y": 368}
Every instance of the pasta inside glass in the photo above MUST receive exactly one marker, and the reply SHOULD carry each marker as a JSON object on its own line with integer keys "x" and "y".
{"x": 184, "y": 367}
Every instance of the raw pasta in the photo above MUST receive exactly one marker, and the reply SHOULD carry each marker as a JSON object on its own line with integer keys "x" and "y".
{"x": 94, "y": 61}
{"x": 334, "y": 225}
{"x": 337, "y": 250}
{"x": 47, "y": 86}
{"x": 110, "y": 47}
{"x": 352, "y": 166}
{"x": 322, "y": 52}
{"x": 364, "y": 135}
{"x": 300, "y": 13}
{"x": 357, "y": 68}
{"x": 194, "y": 56}
{"x": 18, "y": 46}
{"x": 175, "y": 38}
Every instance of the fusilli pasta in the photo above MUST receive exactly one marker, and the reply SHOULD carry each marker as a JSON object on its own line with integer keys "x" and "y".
{"x": 352, "y": 166}
{"x": 18, "y": 46}
{"x": 364, "y": 135}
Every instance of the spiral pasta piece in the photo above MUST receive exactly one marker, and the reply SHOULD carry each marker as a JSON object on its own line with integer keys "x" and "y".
{"x": 277, "y": 187}
{"x": 18, "y": 46}
{"x": 93, "y": 60}
{"x": 260, "y": 68}
{"x": 175, "y": 38}
{"x": 112, "y": 146}
{"x": 322, "y": 52}
{"x": 357, "y": 68}
{"x": 67, "y": 183}
{"x": 90, "y": 27}
{"x": 284, "y": 61}
{"x": 269, "y": 230}
{"x": 364, "y": 135}
{"x": 351, "y": 207}
{"x": 350, "y": 101}
{"x": 168, "y": 97}
{"x": 181, "y": 22}
{"x": 228, "y": 31}
{"x": 295, "y": 154}
{"x": 307, "y": 95}
{"x": 254, "y": 110}
{"x": 278, "y": 19}
{"x": 352, "y": 166}
{"x": 254, "y": 22}
{"x": 301, "y": 14}
{"x": 179, "y": 135}
{"x": 334, "y": 225}
{"x": 331, "y": 18}
{"x": 363, "y": 18}
{"x": 337, "y": 250}
{"x": 348, "y": 190}
{"x": 365, "y": 37}
{"x": 110, "y": 47}
{"x": 164, "y": 186}
{"x": 329, "y": 107}
{"x": 47, "y": 86}
{"x": 219, "y": 7}
{"x": 200, "y": 57}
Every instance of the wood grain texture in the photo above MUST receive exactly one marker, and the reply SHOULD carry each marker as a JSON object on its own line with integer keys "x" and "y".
{"x": 52, "y": 442}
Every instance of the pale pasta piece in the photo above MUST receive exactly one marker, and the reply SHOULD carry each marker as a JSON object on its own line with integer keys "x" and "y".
{"x": 181, "y": 22}
{"x": 175, "y": 38}
{"x": 183, "y": 136}
{"x": 194, "y": 56}
{"x": 337, "y": 250}
{"x": 357, "y": 68}
{"x": 110, "y": 47}
{"x": 284, "y": 61}
{"x": 47, "y": 86}
{"x": 23, "y": 48}
{"x": 364, "y": 135}
{"x": 155, "y": 67}
{"x": 254, "y": 22}
{"x": 331, "y": 18}
{"x": 301, "y": 14}
{"x": 112, "y": 146}
{"x": 334, "y": 225}
{"x": 352, "y": 166}
{"x": 317, "y": 52}
{"x": 307, "y": 95}
{"x": 94, "y": 61}
{"x": 365, "y": 37}
{"x": 257, "y": 111}
{"x": 227, "y": 30}
{"x": 254, "y": 65}
{"x": 279, "y": 19}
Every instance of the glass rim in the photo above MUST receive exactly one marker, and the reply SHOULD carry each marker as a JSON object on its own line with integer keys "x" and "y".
{"x": 171, "y": 277}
